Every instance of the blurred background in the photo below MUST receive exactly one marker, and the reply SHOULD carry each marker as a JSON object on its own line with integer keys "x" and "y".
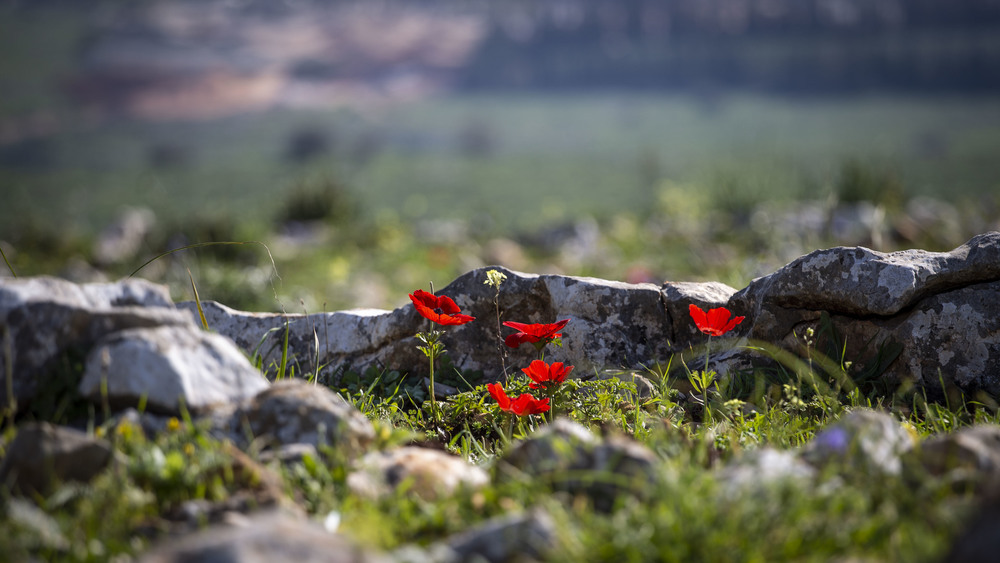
{"x": 373, "y": 147}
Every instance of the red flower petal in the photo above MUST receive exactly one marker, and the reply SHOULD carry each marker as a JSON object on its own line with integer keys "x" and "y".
{"x": 532, "y": 333}
{"x": 540, "y": 330}
{"x": 425, "y": 298}
{"x": 700, "y": 320}
{"x": 518, "y": 338}
{"x": 714, "y": 323}
{"x": 526, "y": 404}
{"x": 538, "y": 371}
{"x": 521, "y": 406}
{"x": 439, "y": 309}
{"x": 544, "y": 375}
{"x": 497, "y": 392}
{"x": 558, "y": 372}
{"x": 447, "y": 305}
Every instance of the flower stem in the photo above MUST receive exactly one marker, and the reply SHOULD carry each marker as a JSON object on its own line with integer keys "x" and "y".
{"x": 433, "y": 402}
{"x": 432, "y": 348}
{"x": 705, "y": 383}
{"x": 510, "y": 429}
{"x": 503, "y": 352}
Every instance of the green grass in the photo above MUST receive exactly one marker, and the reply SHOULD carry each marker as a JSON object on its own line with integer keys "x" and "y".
{"x": 552, "y": 157}
{"x": 686, "y": 513}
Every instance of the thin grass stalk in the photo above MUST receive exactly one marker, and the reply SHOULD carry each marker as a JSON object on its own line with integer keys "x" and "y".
{"x": 203, "y": 244}
{"x": 316, "y": 366}
{"x": 197, "y": 301}
{"x": 5, "y": 261}
{"x": 284, "y": 353}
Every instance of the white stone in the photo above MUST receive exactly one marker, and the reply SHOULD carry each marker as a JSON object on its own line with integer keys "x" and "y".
{"x": 169, "y": 365}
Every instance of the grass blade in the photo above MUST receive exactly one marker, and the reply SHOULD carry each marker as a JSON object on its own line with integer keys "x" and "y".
{"x": 197, "y": 302}
{"x": 202, "y": 244}
{"x": 5, "y": 261}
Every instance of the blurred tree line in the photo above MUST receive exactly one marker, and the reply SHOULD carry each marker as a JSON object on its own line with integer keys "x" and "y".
{"x": 826, "y": 47}
{"x": 776, "y": 46}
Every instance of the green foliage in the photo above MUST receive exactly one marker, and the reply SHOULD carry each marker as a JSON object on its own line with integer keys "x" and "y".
{"x": 688, "y": 513}
{"x": 860, "y": 181}
{"x": 324, "y": 199}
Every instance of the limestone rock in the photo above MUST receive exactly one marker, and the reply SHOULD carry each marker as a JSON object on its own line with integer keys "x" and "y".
{"x": 428, "y": 473}
{"x": 864, "y": 440}
{"x": 169, "y": 365}
{"x": 928, "y": 317}
{"x": 907, "y": 315}
{"x": 572, "y": 459}
{"x": 764, "y": 466}
{"x": 262, "y": 538}
{"x": 954, "y": 336}
{"x": 42, "y": 455}
{"x": 556, "y": 447}
{"x": 296, "y": 412}
{"x": 43, "y": 318}
{"x": 611, "y": 324}
{"x": 938, "y": 311}
{"x": 858, "y": 281}
{"x": 530, "y": 536}
{"x": 970, "y": 455}
{"x": 356, "y": 338}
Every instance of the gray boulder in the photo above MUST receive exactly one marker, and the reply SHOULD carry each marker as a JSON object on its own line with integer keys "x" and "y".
{"x": 867, "y": 441}
{"x": 531, "y": 536}
{"x": 910, "y": 315}
{"x": 262, "y": 538}
{"x": 762, "y": 467}
{"x": 611, "y": 324}
{"x": 572, "y": 459}
{"x": 938, "y": 312}
{"x": 295, "y": 412}
{"x": 927, "y": 317}
{"x": 169, "y": 366}
{"x": 43, "y": 455}
{"x": 427, "y": 473}
{"x": 357, "y": 338}
{"x": 968, "y": 457}
{"x": 43, "y": 319}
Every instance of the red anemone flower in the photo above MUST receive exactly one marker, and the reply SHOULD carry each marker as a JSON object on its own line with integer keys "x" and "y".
{"x": 714, "y": 323}
{"x": 438, "y": 308}
{"x": 521, "y": 406}
{"x": 544, "y": 375}
{"x": 533, "y": 333}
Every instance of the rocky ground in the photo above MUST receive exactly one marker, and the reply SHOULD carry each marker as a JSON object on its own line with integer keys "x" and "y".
{"x": 241, "y": 427}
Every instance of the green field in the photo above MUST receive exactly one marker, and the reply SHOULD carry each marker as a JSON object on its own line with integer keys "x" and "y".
{"x": 384, "y": 179}
{"x": 547, "y": 158}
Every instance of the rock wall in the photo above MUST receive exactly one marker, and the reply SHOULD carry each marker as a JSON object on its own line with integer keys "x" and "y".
{"x": 937, "y": 313}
